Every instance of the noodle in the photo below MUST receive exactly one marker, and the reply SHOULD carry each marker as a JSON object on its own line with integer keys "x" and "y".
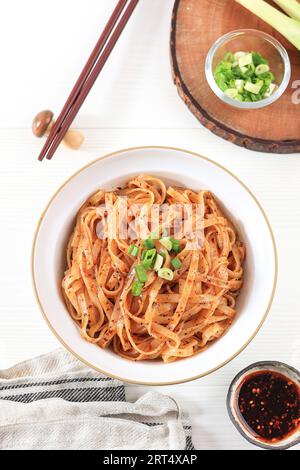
{"x": 170, "y": 319}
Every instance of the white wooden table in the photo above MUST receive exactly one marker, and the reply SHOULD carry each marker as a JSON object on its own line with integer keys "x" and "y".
{"x": 134, "y": 103}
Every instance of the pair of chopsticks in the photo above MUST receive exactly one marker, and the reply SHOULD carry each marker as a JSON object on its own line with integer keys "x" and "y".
{"x": 88, "y": 76}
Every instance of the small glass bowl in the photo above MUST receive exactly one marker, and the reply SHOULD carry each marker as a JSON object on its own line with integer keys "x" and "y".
{"x": 233, "y": 408}
{"x": 250, "y": 40}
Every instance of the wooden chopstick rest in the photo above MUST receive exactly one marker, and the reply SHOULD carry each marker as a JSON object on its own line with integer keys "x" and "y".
{"x": 43, "y": 123}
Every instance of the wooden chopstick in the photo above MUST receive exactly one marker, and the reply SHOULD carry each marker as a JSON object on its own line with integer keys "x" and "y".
{"x": 84, "y": 75}
{"x": 88, "y": 76}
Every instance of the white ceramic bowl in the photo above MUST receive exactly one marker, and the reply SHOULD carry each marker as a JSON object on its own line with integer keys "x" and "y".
{"x": 185, "y": 169}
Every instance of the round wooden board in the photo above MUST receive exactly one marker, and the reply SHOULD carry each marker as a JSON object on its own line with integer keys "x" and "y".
{"x": 196, "y": 24}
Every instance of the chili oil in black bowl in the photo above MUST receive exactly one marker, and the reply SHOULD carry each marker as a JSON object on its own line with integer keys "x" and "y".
{"x": 263, "y": 403}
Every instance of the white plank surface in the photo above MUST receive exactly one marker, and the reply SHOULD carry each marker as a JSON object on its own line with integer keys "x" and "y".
{"x": 134, "y": 103}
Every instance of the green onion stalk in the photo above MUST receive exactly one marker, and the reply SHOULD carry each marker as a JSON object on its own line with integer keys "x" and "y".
{"x": 288, "y": 27}
{"x": 291, "y": 7}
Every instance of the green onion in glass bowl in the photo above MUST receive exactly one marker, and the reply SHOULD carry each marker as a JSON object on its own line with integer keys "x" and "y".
{"x": 245, "y": 76}
{"x": 248, "y": 69}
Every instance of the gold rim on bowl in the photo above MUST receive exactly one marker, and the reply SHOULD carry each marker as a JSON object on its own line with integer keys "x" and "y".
{"x": 123, "y": 379}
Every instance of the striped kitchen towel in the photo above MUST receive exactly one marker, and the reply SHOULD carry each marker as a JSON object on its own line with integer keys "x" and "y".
{"x": 55, "y": 402}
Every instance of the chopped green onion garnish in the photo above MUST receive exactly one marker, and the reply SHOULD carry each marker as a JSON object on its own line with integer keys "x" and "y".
{"x": 166, "y": 242}
{"x": 244, "y": 70}
{"x": 245, "y": 60}
{"x": 163, "y": 252}
{"x": 262, "y": 68}
{"x": 254, "y": 87}
{"x": 137, "y": 288}
{"x": 239, "y": 85}
{"x": 231, "y": 92}
{"x": 244, "y": 76}
{"x": 176, "y": 263}
{"x": 148, "y": 258}
{"x": 133, "y": 250}
{"x": 166, "y": 273}
{"x": 158, "y": 263}
{"x": 141, "y": 273}
{"x": 258, "y": 59}
{"x": 176, "y": 246}
{"x": 271, "y": 90}
{"x": 149, "y": 243}
{"x": 239, "y": 54}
